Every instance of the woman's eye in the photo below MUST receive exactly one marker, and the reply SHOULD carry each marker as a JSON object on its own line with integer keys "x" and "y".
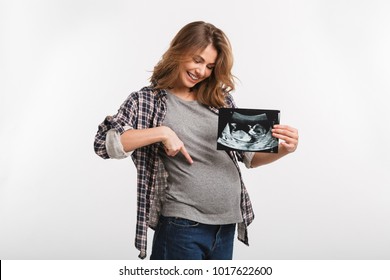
{"x": 210, "y": 67}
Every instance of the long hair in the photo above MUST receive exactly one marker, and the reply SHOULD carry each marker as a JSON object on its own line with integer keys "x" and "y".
{"x": 193, "y": 37}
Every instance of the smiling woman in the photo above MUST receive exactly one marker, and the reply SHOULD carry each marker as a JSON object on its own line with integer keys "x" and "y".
{"x": 189, "y": 192}
{"x": 201, "y": 46}
{"x": 192, "y": 71}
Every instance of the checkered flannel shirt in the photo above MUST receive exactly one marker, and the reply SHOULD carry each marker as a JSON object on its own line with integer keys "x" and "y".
{"x": 143, "y": 109}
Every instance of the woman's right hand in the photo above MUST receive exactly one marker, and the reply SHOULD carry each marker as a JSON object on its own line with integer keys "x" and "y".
{"x": 173, "y": 145}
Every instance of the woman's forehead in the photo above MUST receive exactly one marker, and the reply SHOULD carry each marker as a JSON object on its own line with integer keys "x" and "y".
{"x": 208, "y": 54}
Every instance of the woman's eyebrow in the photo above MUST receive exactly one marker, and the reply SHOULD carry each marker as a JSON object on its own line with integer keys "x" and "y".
{"x": 199, "y": 57}
{"x": 202, "y": 59}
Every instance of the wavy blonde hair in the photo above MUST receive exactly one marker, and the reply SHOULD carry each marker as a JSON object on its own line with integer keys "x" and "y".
{"x": 192, "y": 38}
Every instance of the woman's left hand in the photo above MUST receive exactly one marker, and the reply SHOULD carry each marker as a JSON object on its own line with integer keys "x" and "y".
{"x": 288, "y": 134}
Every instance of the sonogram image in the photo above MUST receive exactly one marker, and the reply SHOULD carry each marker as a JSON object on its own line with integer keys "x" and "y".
{"x": 247, "y": 130}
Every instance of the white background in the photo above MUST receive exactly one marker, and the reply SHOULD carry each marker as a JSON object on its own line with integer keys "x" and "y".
{"x": 65, "y": 65}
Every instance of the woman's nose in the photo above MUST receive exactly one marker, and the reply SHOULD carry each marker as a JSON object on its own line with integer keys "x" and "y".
{"x": 201, "y": 70}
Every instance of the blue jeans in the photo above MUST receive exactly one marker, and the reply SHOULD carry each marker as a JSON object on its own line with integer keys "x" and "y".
{"x": 182, "y": 239}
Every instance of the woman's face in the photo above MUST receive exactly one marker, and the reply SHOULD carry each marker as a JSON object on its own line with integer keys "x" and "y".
{"x": 196, "y": 68}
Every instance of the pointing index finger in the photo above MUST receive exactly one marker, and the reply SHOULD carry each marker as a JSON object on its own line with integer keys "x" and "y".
{"x": 183, "y": 150}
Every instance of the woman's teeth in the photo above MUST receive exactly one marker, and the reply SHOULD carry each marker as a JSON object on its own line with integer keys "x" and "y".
{"x": 193, "y": 76}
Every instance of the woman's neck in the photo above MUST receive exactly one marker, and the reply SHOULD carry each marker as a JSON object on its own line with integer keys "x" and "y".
{"x": 184, "y": 94}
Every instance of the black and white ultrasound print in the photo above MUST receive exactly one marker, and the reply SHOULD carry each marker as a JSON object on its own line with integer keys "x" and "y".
{"x": 247, "y": 130}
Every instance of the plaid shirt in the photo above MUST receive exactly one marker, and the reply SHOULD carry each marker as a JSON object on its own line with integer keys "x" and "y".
{"x": 146, "y": 109}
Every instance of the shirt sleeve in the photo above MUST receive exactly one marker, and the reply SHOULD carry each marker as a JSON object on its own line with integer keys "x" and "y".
{"x": 107, "y": 139}
{"x": 247, "y": 159}
{"x": 114, "y": 145}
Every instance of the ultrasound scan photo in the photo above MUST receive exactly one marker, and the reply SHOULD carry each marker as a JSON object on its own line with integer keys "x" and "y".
{"x": 247, "y": 130}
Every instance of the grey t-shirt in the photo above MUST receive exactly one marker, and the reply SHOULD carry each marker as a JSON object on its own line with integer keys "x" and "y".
{"x": 209, "y": 190}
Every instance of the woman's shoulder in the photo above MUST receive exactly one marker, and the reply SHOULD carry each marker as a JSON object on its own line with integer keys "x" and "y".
{"x": 146, "y": 94}
{"x": 229, "y": 100}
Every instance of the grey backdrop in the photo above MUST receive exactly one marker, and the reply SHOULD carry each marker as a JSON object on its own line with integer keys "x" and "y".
{"x": 65, "y": 65}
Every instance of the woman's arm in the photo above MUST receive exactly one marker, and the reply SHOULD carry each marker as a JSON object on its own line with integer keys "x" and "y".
{"x": 288, "y": 135}
{"x": 136, "y": 138}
